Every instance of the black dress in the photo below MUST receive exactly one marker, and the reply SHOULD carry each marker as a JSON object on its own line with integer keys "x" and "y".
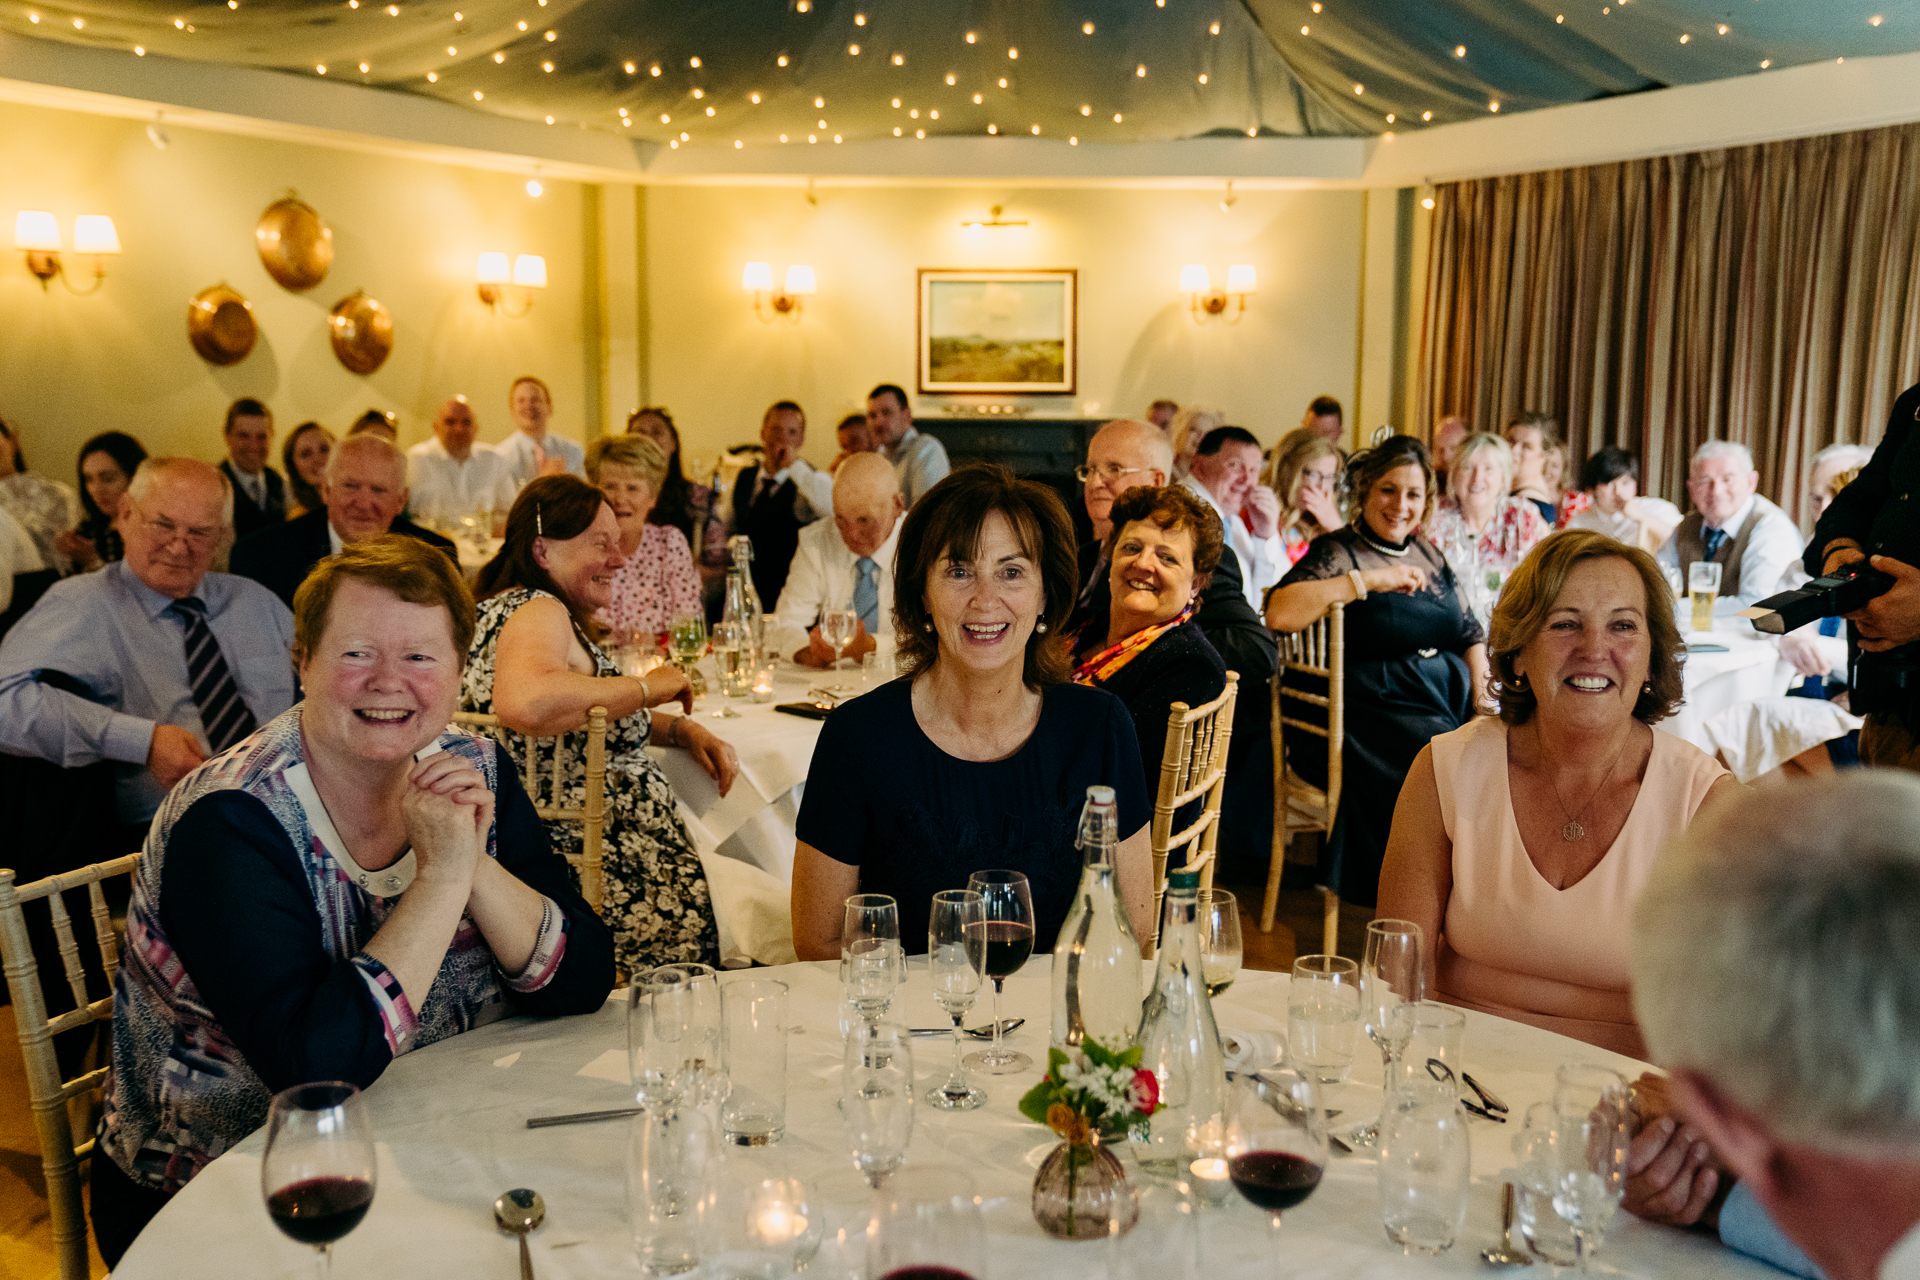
{"x": 1407, "y": 682}
{"x": 1181, "y": 665}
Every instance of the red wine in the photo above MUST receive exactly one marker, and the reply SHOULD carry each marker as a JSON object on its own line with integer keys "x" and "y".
{"x": 320, "y": 1210}
{"x": 925, "y": 1271}
{"x": 1274, "y": 1180}
{"x": 1009, "y": 943}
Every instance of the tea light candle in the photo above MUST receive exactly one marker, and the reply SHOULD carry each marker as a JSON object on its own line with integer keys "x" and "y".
{"x": 777, "y": 1224}
{"x": 763, "y": 685}
{"x": 1210, "y": 1181}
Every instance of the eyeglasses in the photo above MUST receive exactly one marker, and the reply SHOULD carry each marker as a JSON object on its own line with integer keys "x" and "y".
{"x": 1111, "y": 473}
{"x": 199, "y": 539}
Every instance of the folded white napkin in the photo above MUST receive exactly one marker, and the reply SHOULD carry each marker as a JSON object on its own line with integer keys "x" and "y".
{"x": 1250, "y": 1050}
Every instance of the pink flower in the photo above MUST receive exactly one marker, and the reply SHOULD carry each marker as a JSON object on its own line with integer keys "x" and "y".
{"x": 1146, "y": 1090}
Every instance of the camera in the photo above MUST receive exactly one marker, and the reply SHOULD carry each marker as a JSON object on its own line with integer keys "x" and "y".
{"x": 1829, "y": 597}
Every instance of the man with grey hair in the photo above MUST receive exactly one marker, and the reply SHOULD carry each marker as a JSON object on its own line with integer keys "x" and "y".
{"x": 153, "y": 662}
{"x": 1751, "y": 539}
{"x": 844, "y": 563}
{"x": 1773, "y": 976}
{"x": 364, "y": 492}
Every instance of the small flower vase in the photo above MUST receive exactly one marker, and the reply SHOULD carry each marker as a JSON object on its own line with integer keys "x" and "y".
{"x": 1081, "y": 1193}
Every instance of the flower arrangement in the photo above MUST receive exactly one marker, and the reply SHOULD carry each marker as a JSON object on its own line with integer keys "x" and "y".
{"x": 1090, "y": 1090}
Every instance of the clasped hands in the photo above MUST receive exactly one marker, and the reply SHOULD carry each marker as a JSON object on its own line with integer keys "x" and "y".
{"x": 819, "y": 654}
{"x": 448, "y": 811}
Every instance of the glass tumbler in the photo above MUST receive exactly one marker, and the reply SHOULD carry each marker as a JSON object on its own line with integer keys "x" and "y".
{"x": 1323, "y": 1016}
{"x": 1425, "y": 1168}
{"x": 754, "y": 1034}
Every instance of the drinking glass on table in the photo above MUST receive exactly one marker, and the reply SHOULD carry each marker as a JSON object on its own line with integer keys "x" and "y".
{"x": 926, "y": 1226}
{"x": 1425, "y": 1164}
{"x": 1276, "y": 1142}
{"x": 876, "y": 1098}
{"x": 318, "y": 1172}
{"x": 1220, "y": 946}
{"x": 1703, "y": 586}
{"x": 753, "y": 1112}
{"x": 956, "y": 961}
{"x": 1007, "y": 928}
{"x": 687, "y": 644}
{"x": 1432, "y": 1036}
{"x": 1323, "y": 1013}
{"x": 660, "y": 1033}
{"x": 1392, "y": 973}
{"x": 873, "y": 964}
{"x": 1590, "y": 1135}
{"x": 702, "y": 1062}
{"x": 733, "y": 663}
{"x": 837, "y": 628}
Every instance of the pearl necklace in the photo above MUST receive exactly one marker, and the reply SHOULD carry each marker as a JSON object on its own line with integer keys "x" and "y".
{"x": 1361, "y": 529}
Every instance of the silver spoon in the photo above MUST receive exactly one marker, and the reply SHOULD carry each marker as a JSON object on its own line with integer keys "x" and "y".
{"x": 1505, "y": 1255}
{"x": 518, "y": 1212}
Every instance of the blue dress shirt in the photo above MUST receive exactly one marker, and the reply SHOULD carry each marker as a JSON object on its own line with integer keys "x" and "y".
{"x": 112, "y": 633}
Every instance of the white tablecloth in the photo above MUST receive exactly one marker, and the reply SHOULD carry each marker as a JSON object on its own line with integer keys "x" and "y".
{"x": 451, "y": 1124}
{"x": 1751, "y": 668}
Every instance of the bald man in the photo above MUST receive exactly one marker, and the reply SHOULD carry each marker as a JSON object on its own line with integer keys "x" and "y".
{"x": 844, "y": 563}
{"x": 365, "y": 491}
{"x": 451, "y": 476}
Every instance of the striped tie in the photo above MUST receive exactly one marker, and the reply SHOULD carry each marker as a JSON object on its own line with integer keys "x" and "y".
{"x": 222, "y": 711}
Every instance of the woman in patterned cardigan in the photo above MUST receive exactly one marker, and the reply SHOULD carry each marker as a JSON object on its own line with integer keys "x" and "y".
{"x": 347, "y": 884}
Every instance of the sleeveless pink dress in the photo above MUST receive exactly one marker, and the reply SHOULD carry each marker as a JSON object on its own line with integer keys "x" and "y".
{"x": 1514, "y": 945}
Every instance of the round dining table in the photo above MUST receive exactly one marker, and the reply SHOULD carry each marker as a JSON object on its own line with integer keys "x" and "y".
{"x": 1725, "y": 667}
{"x": 451, "y": 1124}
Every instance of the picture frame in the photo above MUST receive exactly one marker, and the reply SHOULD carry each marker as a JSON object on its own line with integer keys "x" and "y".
{"x": 998, "y": 332}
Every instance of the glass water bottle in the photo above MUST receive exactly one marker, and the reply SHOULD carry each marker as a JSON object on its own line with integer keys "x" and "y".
{"x": 1096, "y": 962}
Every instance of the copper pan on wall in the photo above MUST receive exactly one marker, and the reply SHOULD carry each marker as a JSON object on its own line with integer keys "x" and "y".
{"x": 361, "y": 331}
{"x": 295, "y": 243}
{"x": 220, "y": 325}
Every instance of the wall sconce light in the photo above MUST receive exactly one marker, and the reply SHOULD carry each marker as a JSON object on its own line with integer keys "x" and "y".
{"x": 38, "y": 235}
{"x": 1205, "y": 301}
{"x": 491, "y": 274}
{"x": 757, "y": 279}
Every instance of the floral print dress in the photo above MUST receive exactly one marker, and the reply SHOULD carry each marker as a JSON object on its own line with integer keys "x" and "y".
{"x": 656, "y": 900}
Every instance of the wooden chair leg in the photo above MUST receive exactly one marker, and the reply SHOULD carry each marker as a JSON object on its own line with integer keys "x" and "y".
{"x": 1276, "y": 866}
{"x": 1329, "y": 922}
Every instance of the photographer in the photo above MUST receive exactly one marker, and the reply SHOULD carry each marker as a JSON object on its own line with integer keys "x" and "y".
{"x": 1876, "y": 519}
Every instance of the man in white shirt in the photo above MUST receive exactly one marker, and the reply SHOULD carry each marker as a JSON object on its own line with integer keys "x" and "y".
{"x": 532, "y": 450}
{"x": 1753, "y": 540}
{"x": 1226, "y": 475}
{"x": 921, "y": 461}
{"x": 1768, "y": 977}
{"x": 844, "y": 563}
{"x": 450, "y": 476}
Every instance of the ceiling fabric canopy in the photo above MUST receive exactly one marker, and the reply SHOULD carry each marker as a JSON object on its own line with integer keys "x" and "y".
{"x": 763, "y": 73}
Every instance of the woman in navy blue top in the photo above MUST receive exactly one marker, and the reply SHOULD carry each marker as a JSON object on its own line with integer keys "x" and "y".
{"x": 980, "y": 756}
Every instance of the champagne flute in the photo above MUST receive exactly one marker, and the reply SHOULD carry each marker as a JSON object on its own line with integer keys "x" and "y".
{"x": 876, "y": 1098}
{"x": 926, "y": 1226}
{"x": 837, "y": 628}
{"x": 1590, "y": 1135}
{"x": 873, "y": 965}
{"x": 956, "y": 960}
{"x": 1276, "y": 1142}
{"x": 1220, "y": 945}
{"x": 1007, "y": 931}
{"x": 1392, "y": 973}
{"x": 318, "y": 1172}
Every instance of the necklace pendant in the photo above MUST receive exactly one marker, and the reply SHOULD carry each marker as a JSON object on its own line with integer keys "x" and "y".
{"x": 1573, "y": 831}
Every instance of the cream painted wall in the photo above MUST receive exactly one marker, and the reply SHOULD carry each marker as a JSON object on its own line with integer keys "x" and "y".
{"x": 407, "y": 232}
{"x": 717, "y": 367}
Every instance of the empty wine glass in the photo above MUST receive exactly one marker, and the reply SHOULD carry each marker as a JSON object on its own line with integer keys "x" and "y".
{"x": 926, "y": 1226}
{"x": 873, "y": 965}
{"x": 876, "y": 1098}
{"x": 318, "y": 1171}
{"x": 1591, "y": 1129}
{"x": 1220, "y": 945}
{"x": 1392, "y": 973}
{"x": 1007, "y": 928}
{"x": 956, "y": 959}
{"x": 1276, "y": 1142}
{"x": 837, "y": 628}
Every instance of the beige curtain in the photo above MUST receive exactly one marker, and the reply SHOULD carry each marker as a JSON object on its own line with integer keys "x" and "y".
{"x": 1766, "y": 294}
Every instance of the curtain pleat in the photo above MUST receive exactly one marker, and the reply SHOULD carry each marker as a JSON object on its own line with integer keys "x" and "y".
{"x": 1766, "y": 294}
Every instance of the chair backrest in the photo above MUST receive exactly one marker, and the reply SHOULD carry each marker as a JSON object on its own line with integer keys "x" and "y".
{"x": 1193, "y": 764}
{"x": 547, "y": 787}
{"x": 47, "y": 1093}
{"x": 1319, "y": 650}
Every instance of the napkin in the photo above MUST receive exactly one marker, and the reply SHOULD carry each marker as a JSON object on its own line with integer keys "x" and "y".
{"x": 1250, "y": 1050}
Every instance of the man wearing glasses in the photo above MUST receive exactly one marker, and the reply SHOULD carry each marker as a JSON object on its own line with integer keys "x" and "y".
{"x": 153, "y": 662}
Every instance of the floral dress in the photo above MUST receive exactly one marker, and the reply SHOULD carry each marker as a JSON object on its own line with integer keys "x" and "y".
{"x": 1482, "y": 561}
{"x": 656, "y": 900}
{"x": 656, "y": 584}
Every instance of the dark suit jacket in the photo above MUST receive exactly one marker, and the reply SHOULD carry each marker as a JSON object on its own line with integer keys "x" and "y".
{"x": 280, "y": 558}
{"x": 774, "y": 526}
{"x": 249, "y": 516}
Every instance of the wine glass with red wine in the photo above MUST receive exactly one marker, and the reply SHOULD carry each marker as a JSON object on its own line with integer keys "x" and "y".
{"x": 1276, "y": 1140}
{"x": 1008, "y": 929}
{"x": 926, "y": 1226}
{"x": 318, "y": 1171}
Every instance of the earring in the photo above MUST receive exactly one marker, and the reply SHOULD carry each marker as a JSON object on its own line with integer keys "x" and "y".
{"x": 1518, "y": 683}
{"x": 1647, "y": 687}
{"x": 1042, "y": 628}
{"x": 928, "y": 628}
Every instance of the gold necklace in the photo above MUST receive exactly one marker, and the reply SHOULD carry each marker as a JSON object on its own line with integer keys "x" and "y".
{"x": 1574, "y": 830}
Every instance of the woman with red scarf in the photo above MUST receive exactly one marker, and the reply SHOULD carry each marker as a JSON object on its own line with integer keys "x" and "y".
{"x": 1148, "y": 651}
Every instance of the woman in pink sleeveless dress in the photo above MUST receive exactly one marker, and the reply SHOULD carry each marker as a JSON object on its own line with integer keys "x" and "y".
{"x": 1520, "y": 843}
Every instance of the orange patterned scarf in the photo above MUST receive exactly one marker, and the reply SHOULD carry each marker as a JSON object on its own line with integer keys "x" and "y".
{"x": 1100, "y": 668}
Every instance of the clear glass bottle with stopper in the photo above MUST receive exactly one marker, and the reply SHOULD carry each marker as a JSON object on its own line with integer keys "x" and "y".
{"x": 1180, "y": 1044}
{"x": 740, "y": 546}
{"x": 1096, "y": 962}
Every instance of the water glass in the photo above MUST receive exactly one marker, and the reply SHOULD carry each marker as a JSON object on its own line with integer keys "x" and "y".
{"x": 876, "y": 1098}
{"x": 1546, "y": 1232}
{"x": 1591, "y": 1128}
{"x": 873, "y": 964}
{"x": 733, "y": 658}
{"x": 837, "y": 628}
{"x": 1425, "y": 1168}
{"x": 318, "y": 1172}
{"x": 754, "y": 1037}
{"x": 1323, "y": 1016}
{"x": 703, "y": 1061}
{"x": 1434, "y": 1037}
{"x": 1392, "y": 973}
{"x": 956, "y": 959}
{"x": 660, "y": 1012}
{"x": 877, "y": 668}
{"x": 668, "y": 1156}
{"x": 1220, "y": 945}
{"x": 926, "y": 1223}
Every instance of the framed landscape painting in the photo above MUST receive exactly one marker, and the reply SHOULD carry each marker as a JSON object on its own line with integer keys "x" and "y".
{"x": 998, "y": 332}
